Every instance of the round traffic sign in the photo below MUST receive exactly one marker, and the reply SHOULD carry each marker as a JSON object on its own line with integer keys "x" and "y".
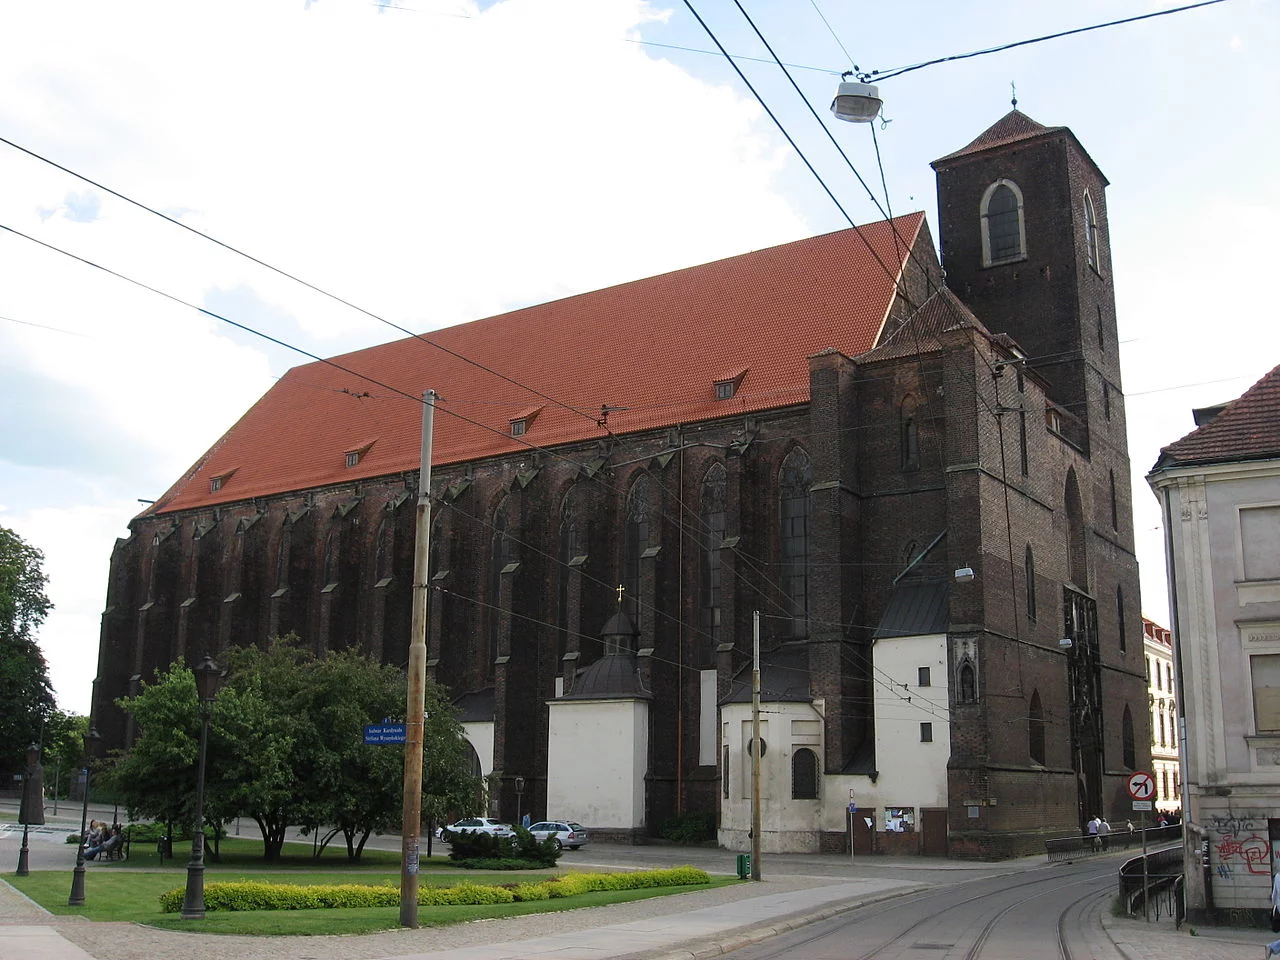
{"x": 1141, "y": 786}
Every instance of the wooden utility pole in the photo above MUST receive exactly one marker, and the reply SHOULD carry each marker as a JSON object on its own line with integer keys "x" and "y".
{"x": 411, "y": 816}
{"x": 755, "y": 745}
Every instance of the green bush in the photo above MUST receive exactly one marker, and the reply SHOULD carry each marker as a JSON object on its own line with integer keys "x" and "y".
{"x": 690, "y": 828}
{"x": 256, "y": 895}
{"x": 482, "y": 851}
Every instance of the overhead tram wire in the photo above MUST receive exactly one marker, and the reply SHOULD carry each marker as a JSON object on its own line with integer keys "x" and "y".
{"x": 897, "y": 237}
{"x": 800, "y": 153}
{"x": 310, "y": 286}
{"x": 899, "y": 71}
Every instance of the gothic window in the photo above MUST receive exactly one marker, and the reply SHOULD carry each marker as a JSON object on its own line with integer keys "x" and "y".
{"x": 499, "y": 556}
{"x": 909, "y": 434}
{"x": 1077, "y": 567}
{"x": 1120, "y": 618}
{"x": 1035, "y": 729}
{"x": 567, "y": 551}
{"x": 1091, "y": 232}
{"x": 1029, "y": 568}
{"x": 712, "y": 514}
{"x": 1022, "y": 443}
{"x": 635, "y": 542}
{"x": 382, "y": 558}
{"x": 331, "y": 562}
{"x": 1115, "y": 506}
{"x": 1106, "y": 400}
{"x": 1127, "y": 746}
{"x": 804, "y": 774}
{"x": 795, "y": 479}
{"x": 1004, "y": 236}
{"x": 1102, "y": 336}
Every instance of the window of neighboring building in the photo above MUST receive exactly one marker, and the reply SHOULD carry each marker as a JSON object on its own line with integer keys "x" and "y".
{"x": 804, "y": 774}
{"x": 1029, "y": 571}
{"x": 1148, "y": 671}
{"x": 1159, "y": 678}
{"x": 794, "y": 481}
{"x": 1091, "y": 233}
{"x": 1168, "y": 677}
{"x": 922, "y": 677}
{"x": 926, "y": 733}
{"x": 724, "y": 772}
{"x": 1160, "y": 712}
{"x": 1260, "y": 542}
{"x": 1164, "y": 784}
{"x": 1004, "y": 237}
{"x": 1127, "y": 746}
{"x": 1264, "y": 670}
{"x": 1035, "y": 729}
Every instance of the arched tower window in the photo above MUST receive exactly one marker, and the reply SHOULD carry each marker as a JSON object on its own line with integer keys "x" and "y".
{"x": 1004, "y": 233}
{"x": 1029, "y": 565}
{"x": 1077, "y": 566}
{"x": 909, "y": 433}
{"x": 795, "y": 479}
{"x": 712, "y": 514}
{"x": 1124, "y": 643}
{"x": 1115, "y": 505}
{"x": 1091, "y": 233}
{"x": 635, "y": 542}
{"x": 804, "y": 774}
{"x": 1035, "y": 729}
{"x": 1127, "y": 747}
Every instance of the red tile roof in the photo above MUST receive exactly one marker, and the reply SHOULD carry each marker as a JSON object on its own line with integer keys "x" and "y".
{"x": 649, "y": 350}
{"x": 941, "y": 313}
{"x": 1248, "y": 428}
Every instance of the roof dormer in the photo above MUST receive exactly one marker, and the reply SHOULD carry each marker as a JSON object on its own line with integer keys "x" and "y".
{"x": 727, "y": 386}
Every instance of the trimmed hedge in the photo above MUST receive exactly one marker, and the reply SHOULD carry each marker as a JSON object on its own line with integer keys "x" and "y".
{"x": 256, "y": 895}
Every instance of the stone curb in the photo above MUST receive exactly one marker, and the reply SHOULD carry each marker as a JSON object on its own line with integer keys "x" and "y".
{"x": 717, "y": 946}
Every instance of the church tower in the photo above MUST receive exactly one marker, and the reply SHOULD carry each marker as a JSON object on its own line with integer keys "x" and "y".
{"x": 1023, "y": 217}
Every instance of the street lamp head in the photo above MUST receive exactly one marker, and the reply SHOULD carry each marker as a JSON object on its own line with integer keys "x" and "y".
{"x": 208, "y": 678}
{"x": 856, "y": 102}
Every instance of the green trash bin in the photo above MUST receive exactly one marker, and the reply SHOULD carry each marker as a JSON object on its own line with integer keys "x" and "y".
{"x": 744, "y": 866}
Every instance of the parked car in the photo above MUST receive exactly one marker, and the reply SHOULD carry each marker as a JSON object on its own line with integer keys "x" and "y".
{"x": 487, "y": 825}
{"x": 566, "y": 833}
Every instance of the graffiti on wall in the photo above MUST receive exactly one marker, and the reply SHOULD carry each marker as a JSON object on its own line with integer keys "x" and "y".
{"x": 1250, "y": 853}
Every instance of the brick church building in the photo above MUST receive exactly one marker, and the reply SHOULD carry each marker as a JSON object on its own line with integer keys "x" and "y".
{"x": 922, "y": 486}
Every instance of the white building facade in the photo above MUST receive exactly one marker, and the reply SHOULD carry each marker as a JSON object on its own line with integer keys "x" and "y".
{"x": 1219, "y": 488}
{"x": 1157, "y": 645}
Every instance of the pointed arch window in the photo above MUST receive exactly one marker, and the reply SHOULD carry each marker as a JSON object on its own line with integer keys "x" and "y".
{"x": 499, "y": 557}
{"x": 712, "y": 515}
{"x": 1115, "y": 505}
{"x": 1004, "y": 234}
{"x": 635, "y": 542}
{"x": 571, "y": 557}
{"x": 1124, "y": 643}
{"x": 1035, "y": 729}
{"x": 1029, "y": 570}
{"x": 909, "y": 433}
{"x": 804, "y": 774}
{"x": 795, "y": 479}
{"x": 383, "y": 554}
{"x": 1127, "y": 746}
{"x": 1092, "y": 250}
{"x": 1077, "y": 563}
{"x": 968, "y": 684}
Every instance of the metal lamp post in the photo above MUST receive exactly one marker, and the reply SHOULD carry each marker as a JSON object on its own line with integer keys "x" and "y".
{"x": 208, "y": 679}
{"x": 32, "y": 808}
{"x": 91, "y": 739}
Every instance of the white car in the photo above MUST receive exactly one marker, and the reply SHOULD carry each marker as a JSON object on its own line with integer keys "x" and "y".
{"x": 566, "y": 833}
{"x": 487, "y": 825}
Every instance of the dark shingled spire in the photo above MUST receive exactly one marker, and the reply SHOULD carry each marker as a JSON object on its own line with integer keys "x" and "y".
{"x": 1013, "y": 126}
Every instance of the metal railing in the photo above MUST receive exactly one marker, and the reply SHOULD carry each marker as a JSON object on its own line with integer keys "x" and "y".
{"x": 1157, "y": 891}
{"x": 1077, "y": 848}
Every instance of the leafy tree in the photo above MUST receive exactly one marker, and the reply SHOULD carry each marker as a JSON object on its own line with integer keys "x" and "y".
{"x": 26, "y": 697}
{"x": 286, "y": 747}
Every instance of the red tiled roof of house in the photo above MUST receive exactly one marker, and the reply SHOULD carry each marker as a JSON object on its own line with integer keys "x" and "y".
{"x": 1248, "y": 428}
{"x": 648, "y": 350}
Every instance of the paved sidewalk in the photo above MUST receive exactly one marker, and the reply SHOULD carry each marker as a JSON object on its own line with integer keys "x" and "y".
{"x": 1159, "y": 940}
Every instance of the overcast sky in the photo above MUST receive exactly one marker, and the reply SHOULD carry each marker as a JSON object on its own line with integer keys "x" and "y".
{"x": 435, "y": 161}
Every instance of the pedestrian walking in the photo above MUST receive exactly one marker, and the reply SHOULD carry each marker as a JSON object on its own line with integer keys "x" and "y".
{"x": 1272, "y": 949}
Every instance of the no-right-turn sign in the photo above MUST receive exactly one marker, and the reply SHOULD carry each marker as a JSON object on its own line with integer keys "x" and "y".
{"x": 1141, "y": 786}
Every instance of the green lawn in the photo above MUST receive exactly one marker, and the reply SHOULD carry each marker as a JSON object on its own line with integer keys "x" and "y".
{"x": 130, "y": 891}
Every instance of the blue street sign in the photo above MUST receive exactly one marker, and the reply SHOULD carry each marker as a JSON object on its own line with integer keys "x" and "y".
{"x": 375, "y": 733}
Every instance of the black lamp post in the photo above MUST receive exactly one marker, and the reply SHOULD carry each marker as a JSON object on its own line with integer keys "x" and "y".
{"x": 208, "y": 678}
{"x": 32, "y": 807}
{"x": 91, "y": 739}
